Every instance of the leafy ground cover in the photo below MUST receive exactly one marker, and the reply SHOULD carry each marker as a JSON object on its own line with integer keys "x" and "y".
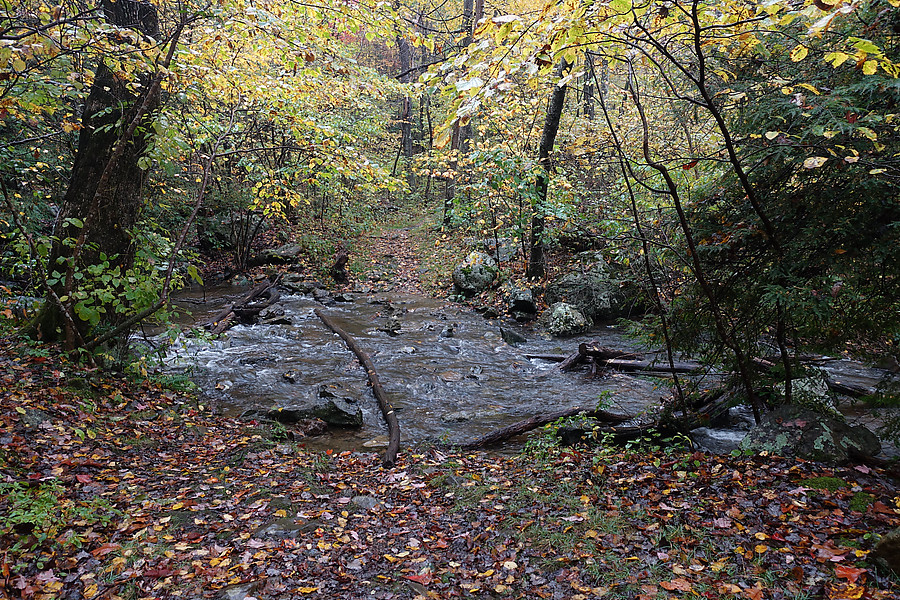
{"x": 123, "y": 488}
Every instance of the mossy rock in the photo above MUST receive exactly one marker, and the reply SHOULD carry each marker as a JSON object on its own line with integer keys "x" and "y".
{"x": 793, "y": 430}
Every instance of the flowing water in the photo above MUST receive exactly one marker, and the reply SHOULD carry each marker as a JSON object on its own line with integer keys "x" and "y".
{"x": 448, "y": 372}
{"x": 446, "y": 369}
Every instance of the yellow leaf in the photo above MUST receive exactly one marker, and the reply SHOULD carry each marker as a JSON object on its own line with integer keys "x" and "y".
{"x": 799, "y": 53}
{"x": 307, "y": 590}
{"x": 771, "y": 135}
{"x": 814, "y": 162}
{"x": 761, "y": 548}
{"x": 869, "y": 67}
{"x": 836, "y": 58}
{"x": 90, "y": 591}
{"x": 281, "y": 513}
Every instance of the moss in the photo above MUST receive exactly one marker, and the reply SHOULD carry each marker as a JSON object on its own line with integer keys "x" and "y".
{"x": 861, "y": 501}
{"x": 825, "y": 483}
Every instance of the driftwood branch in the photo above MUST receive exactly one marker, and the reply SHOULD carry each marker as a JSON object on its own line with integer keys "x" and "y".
{"x": 387, "y": 410}
{"x": 243, "y": 307}
{"x": 501, "y": 435}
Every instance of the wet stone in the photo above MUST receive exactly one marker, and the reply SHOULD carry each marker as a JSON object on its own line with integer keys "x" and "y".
{"x": 513, "y": 338}
{"x": 34, "y": 417}
{"x": 364, "y": 502}
{"x": 284, "y": 528}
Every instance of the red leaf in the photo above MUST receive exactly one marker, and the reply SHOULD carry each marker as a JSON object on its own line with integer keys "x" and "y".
{"x": 851, "y": 574}
{"x": 83, "y": 478}
{"x": 690, "y": 165}
{"x": 104, "y": 550}
{"x": 158, "y": 573}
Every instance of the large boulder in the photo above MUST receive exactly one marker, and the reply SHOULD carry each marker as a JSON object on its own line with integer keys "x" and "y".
{"x": 563, "y": 319}
{"x": 887, "y": 551}
{"x": 794, "y": 430}
{"x": 283, "y": 255}
{"x": 591, "y": 289}
{"x": 521, "y": 304}
{"x": 475, "y": 274}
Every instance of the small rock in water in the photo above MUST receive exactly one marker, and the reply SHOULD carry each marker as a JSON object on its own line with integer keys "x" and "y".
{"x": 450, "y": 376}
{"x": 460, "y": 416}
{"x": 224, "y": 385}
{"x": 491, "y": 313}
{"x": 290, "y": 376}
{"x": 407, "y": 350}
{"x": 513, "y": 338}
{"x": 449, "y": 331}
{"x": 392, "y": 327}
{"x": 378, "y": 442}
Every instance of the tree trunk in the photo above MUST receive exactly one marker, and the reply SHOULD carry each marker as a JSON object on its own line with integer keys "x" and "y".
{"x": 548, "y": 139}
{"x": 588, "y": 100}
{"x": 405, "y": 116}
{"x": 102, "y": 205}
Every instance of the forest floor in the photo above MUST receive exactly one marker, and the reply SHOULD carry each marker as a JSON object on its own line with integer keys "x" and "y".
{"x": 127, "y": 487}
{"x": 122, "y": 488}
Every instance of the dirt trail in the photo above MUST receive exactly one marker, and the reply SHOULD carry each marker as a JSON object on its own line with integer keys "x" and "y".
{"x": 392, "y": 261}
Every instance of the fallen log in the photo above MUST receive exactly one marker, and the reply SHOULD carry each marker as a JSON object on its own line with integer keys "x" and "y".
{"x": 599, "y": 354}
{"x": 248, "y": 312}
{"x": 648, "y": 365}
{"x": 501, "y": 435}
{"x": 223, "y": 320}
{"x": 387, "y": 411}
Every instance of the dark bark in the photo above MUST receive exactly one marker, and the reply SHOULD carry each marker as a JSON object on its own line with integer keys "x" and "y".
{"x": 588, "y": 99}
{"x": 502, "y": 435}
{"x": 596, "y": 353}
{"x": 103, "y": 200}
{"x": 450, "y": 185}
{"x": 339, "y": 268}
{"x": 405, "y": 116}
{"x": 245, "y": 306}
{"x": 536, "y": 261}
{"x": 387, "y": 410}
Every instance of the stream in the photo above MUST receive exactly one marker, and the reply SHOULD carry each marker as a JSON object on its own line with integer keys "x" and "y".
{"x": 448, "y": 372}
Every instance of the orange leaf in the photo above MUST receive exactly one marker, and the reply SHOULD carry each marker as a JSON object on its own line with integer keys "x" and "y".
{"x": 754, "y": 593}
{"x": 681, "y": 584}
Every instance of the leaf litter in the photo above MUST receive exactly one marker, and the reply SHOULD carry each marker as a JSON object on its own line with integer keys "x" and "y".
{"x": 148, "y": 494}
